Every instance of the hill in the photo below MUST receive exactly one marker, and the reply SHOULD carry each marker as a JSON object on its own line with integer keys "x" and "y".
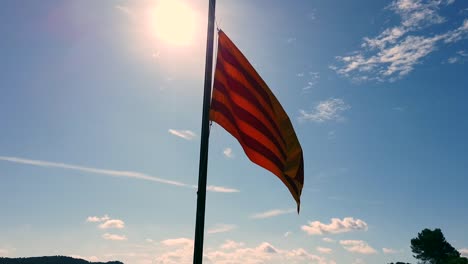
{"x": 51, "y": 260}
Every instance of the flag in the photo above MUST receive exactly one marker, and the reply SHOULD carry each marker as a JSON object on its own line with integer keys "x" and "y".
{"x": 243, "y": 104}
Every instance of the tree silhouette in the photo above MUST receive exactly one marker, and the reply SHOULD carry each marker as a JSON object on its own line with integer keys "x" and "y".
{"x": 431, "y": 247}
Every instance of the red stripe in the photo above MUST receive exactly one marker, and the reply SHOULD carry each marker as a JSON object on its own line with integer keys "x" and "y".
{"x": 246, "y": 116}
{"x": 245, "y": 138}
{"x": 245, "y": 92}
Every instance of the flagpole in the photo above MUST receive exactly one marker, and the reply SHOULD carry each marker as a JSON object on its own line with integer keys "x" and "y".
{"x": 205, "y": 132}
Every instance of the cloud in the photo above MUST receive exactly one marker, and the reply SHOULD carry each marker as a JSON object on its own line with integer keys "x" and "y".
{"x": 313, "y": 80}
{"x": 230, "y": 244}
{"x": 357, "y": 246}
{"x": 228, "y": 153}
{"x": 112, "y": 223}
{"x": 112, "y": 173}
{"x": 288, "y": 233}
{"x": 324, "y": 250}
{"x": 114, "y": 237}
{"x": 272, "y": 213}
{"x": 327, "y": 110}
{"x": 463, "y": 252}
{"x": 185, "y": 134}
{"x": 291, "y": 40}
{"x": 178, "y": 242}
{"x": 96, "y": 219}
{"x": 221, "y": 189}
{"x": 328, "y": 240}
{"x": 221, "y": 228}
{"x": 397, "y": 49}
{"x": 4, "y": 252}
{"x": 336, "y": 226}
{"x": 235, "y": 252}
{"x": 389, "y": 251}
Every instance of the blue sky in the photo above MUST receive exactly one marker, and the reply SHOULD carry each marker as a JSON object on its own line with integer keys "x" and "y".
{"x": 100, "y": 125}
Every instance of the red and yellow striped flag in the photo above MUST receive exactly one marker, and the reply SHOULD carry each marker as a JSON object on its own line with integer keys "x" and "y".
{"x": 243, "y": 104}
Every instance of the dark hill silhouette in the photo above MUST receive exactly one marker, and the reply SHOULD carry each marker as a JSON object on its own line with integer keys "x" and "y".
{"x": 51, "y": 260}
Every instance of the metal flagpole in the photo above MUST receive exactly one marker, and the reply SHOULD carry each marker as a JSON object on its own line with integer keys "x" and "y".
{"x": 205, "y": 132}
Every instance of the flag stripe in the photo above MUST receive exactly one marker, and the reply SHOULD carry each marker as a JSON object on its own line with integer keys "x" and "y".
{"x": 244, "y": 89}
{"x": 252, "y": 154}
{"x": 247, "y": 71}
{"x": 237, "y": 77}
{"x": 246, "y": 137}
{"x": 245, "y": 111}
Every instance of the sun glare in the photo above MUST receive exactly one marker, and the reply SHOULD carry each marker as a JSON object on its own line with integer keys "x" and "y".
{"x": 174, "y": 22}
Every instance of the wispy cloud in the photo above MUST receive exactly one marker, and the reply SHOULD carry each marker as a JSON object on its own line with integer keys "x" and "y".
{"x": 357, "y": 246}
{"x": 287, "y": 234}
{"x": 112, "y": 173}
{"x": 96, "y": 219}
{"x": 114, "y": 237}
{"x": 112, "y": 223}
{"x": 185, "y": 134}
{"x": 328, "y": 240}
{"x": 228, "y": 153}
{"x": 313, "y": 79}
{"x": 221, "y": 228}
{"x": 272, "y": 213}
{"x": 230, "y": 244}
{"x": 464, "y": 252}
{"x": 397, "y": 50}
{"x": 324, "y": 250}
{"x": 390, "y": 251}
{"x": 221, "y": 189}
{"x": 327, "y": 110}
{"x": 178, "y": 242}
{"x": 336, "y": 226}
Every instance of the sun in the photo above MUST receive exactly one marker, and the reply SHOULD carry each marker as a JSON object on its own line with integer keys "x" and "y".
{"x": 174, "y": 22}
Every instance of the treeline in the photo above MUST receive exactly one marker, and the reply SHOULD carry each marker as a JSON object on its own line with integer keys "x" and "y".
{"x": 430, "y": 247}
{"x": 51, "y": 260}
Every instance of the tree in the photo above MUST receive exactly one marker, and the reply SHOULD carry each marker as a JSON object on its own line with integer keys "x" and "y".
{"x": 431, "y": 247}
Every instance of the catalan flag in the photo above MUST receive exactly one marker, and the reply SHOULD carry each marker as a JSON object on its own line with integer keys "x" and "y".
{"x": 243, "y": 104}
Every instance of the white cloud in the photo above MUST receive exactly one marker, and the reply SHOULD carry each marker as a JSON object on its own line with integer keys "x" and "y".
{"x": 221, "y": 228}
{"x": 288, "y": 233}
{"x": 463, "y": 252}
{"x": 272, "y": 213}
{"x": 230, "y": 244}
{"x": 228, "y": 153}
{"x": 291, "y": 40}
{"x": 220, "y": 189}
{"x": 389, "y": 251}
{"x": 313, "y": 79}
{"x": 112, "y": 173}
{"x": 96, "y": 219}
{"x": 359, "y": 261}
{"x": 178, "y": 242}
{"x": 328, "y": 240}
{"x": 327, "y": 110}
{"x": 185, "y": 134}
{"x": 336, "y": 226}
{"x": 357, "y": 246}
{"x": 114, "y": 237}
{"x": 4, "y": 252}
{"x": 112, "y": 223}
{"x": 452, "y": 60}
{"x": 397, "y": 50}
{"x": 324, "y": 250}
{"x": 234, "y": 252}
